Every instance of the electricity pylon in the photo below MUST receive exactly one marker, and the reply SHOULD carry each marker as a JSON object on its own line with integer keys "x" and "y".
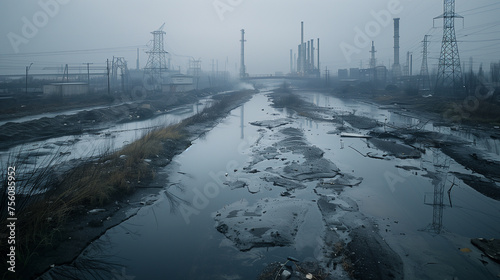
{"x": 157, "y": 62}
{"x": 449, "y": 78}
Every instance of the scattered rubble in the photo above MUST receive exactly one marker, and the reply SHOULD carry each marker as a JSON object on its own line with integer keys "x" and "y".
{"x": 490, "y": 247}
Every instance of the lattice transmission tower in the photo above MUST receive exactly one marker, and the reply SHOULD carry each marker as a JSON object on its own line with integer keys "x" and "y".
{"x": 449, "y": 78}
{"x": 120, "y": 63}
{"x": 425, "y": 82}
{"x": 157, "y": 63}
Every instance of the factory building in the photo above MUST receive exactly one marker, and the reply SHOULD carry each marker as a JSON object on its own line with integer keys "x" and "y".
{"x": 179, "y": 83}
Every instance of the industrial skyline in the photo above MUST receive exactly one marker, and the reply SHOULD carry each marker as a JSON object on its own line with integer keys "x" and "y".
{"x": 70, "y": 32}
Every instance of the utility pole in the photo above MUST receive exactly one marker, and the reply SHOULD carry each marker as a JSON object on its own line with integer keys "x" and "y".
{"x": 27, "y": 69}
{"x": 424, "y": 69}
{"x": 66, "y": 73}
{"x": 327, "y": 76}
{"x": 107, "y": 68}
{"x": 88, "y": 72}
{"x": 411, "y": 64}
{"x": 137, "y": 62}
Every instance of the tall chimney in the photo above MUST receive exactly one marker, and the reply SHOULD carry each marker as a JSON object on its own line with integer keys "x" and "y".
{"x": 411, "y": 64}
{"x": 242, "y": 63}
{"x": 319, "y": 69}
{"x": 302, "y": 48}
{"x": 294, "y": 62}
{"x": 312, "y": 54}
{"x": 291, "y": 61}
{"x": 373, "y": 61}
{"x": 308, "y": 55}
{"x": 299, "y": 60}
{"x": 396, "y": 68}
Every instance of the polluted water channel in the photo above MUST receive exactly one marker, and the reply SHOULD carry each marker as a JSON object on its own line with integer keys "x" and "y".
{"x": 60, "y": 150}
{"x": 261, "y": 185}
{"x": 175, "y": 238}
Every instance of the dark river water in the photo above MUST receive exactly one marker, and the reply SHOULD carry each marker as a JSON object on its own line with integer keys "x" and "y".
{"x": 176, "y": 237}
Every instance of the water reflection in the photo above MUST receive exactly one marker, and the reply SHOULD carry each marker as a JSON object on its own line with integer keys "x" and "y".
{"x": 175, "y": 201}
{"x": 441, "y": 165}
{"x": 92, "y": 264}
{"x": 242, "y": 121}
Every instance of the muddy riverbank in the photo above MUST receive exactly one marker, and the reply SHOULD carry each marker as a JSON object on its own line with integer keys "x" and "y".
{"x": 92, "y": 119}
{"x": 86, "y": 223}
{"x": 410, "y": 141}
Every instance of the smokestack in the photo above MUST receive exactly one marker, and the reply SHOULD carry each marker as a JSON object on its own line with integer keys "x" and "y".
{"x": 308, "y": 55}
{"x": 242, "y": 66}
{"x": 301, "y": 32}
{"x": 411, "y": 64}
{"x": 295, "y": 62}
{"x": 302, "y": 48}
{"x": 373, "y": 61}
{"x": 396, "y": 68}
{"x": 312, "y": 54}
{"x": 319, "y": 69}
{"x": 299, "y": 61}
{"x": 291, "y": 61}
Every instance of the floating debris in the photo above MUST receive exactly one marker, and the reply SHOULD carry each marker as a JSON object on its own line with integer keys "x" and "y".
{"x": 490, "y": 247}
{"x": 354, "y": 135}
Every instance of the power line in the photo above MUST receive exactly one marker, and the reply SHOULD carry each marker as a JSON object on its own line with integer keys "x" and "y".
{"x": 479, "y": 41}
{"x": 51, "y": 53}
{"x": 478, "y": 8}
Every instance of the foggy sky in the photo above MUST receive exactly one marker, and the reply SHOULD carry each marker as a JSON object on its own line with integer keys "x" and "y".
{"x": 210, "y": 30}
